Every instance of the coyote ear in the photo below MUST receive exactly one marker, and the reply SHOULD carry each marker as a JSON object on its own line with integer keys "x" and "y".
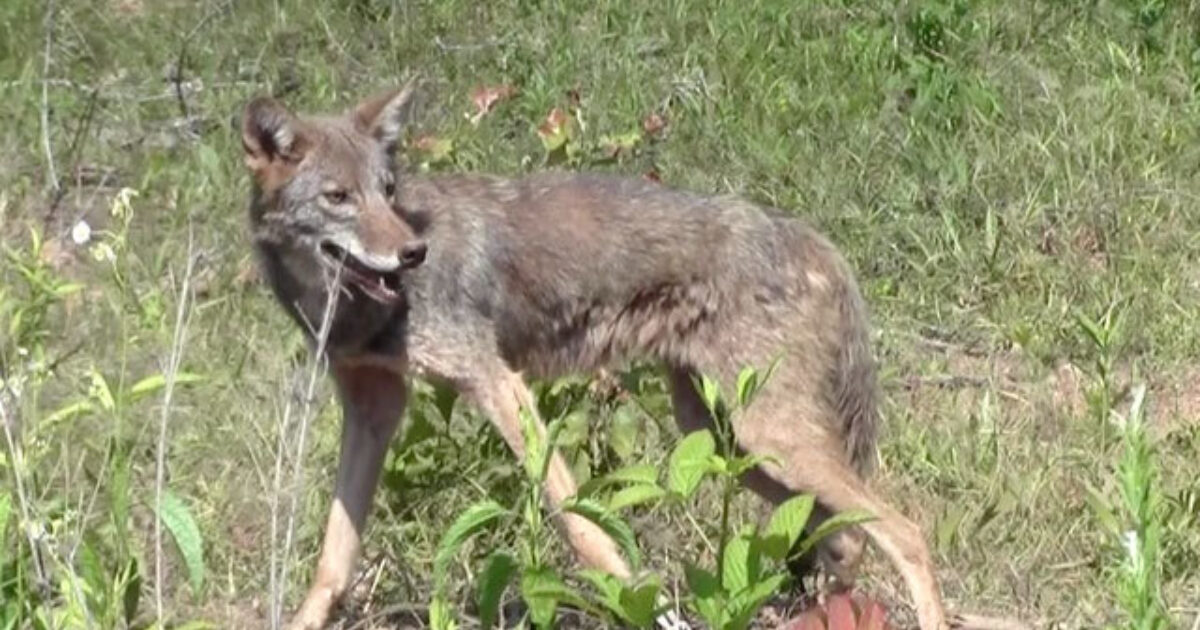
{"x": 385, "y": 115}
{"x": 270, "y": 135}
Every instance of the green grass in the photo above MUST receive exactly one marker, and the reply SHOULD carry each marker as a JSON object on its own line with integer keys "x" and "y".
{"x": 997, "y": 172}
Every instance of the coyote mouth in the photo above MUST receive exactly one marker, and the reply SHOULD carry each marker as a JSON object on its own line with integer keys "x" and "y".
{"x": 381, "y": 286}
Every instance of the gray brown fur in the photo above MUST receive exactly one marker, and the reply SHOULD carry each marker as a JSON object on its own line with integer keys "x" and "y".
{"x": 572, "y": 272}
{"x": 556, "y": 273}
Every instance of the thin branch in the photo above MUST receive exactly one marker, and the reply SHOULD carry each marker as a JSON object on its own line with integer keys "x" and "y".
{"x": 177, "y": 75}
{"x": 74, "y": 149}
{"x": 51, "y": 172}
{"x": 279, "y": 565}
{"x": 17, "y": 455}
{"x": 182, "y": 317}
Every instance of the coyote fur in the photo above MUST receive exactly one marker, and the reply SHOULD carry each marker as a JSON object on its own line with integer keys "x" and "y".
{"x": 482, "y": 282}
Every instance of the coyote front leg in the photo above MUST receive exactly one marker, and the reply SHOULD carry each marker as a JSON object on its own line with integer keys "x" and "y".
{"x": 500, "y": 394}
{"x": 372, "y": 403}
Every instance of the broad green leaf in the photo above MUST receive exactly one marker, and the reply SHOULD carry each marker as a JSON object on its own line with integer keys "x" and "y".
{"x": 744, "y": 605}
{"x": 440, "y": 615}
{"x": 534, "y": 450}
{"x": 831, "y": 525}
{"x": 197, "y": 625}
{"x": 1102, "y": 509}
{"x": 131, "y": 578}
{"x": 623, "y": 438}
{"x": 552, "y": 432}
{"x": 689, "y": 461}
{"x": 708, "y": 598}
{"x": 89, "y": 569}
{"x": 607, "y": 584}
{"x": 612, "y": 525}
{"x": 542, "y": 590}
{"x": 155, "y": 382}
{"x": 635, "y": 495}
{"x": 119, "y": 492}
{"x": 638, "y": 601}
{"x": 618, "y": 143}
{"x": 67, "y": 412}
{"x": 496, "y": 575}
{"x": 65, "y": 289}
{"x": 739, "y": 465}
{"x": 176, "y": 515}
{"x": 470, "y": 522}
{"x": 710, "y": 393}
{"x": 444, "y": 398}
{"x": 1092, "y": 329}
{"x": 100, "y": 392}
{"x": 575, "y": 429}
{"x": 5, "y": 514}
{"x": 417, "y": 429}
{"x": 786, "y": 524}
{"x": 947, "y": 529}
{"x": 636, "y": 474}
{"x": 701, "y": 582}
{"x": 747, "y": 386}
{"x": 740, "y": 566}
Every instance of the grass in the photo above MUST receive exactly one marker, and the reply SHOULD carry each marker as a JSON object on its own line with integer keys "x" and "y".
{"x": 1014, "y": 181}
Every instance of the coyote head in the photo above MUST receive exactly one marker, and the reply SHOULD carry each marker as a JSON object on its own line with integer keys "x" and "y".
{"x": 323, "y": 189}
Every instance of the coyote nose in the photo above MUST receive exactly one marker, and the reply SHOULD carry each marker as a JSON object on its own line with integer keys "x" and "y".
{"x": 412, "y": 254}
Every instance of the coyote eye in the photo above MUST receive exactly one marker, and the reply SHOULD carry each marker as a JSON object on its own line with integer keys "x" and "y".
{"x": 336, "y": 197}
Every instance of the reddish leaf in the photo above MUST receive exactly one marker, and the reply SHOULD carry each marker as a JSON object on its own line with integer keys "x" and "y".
{"x": 873, "y": 616}
{"x": 841, "y": 612}
{"x": 554, "y": 122}
{"x": 808, "y": 620}
{"x": 652, "y": 175}
{"x": 555, "y": 131}
{"x": 624, "y": 143}
{"x": 425, "y": 142}
{"x": 486, "y": 97}
{"x": 437, "y": 148}
{"x": 653, "y": 123}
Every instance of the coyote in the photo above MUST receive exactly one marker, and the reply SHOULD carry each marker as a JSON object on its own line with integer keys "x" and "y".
{"x": 481, "y": 282}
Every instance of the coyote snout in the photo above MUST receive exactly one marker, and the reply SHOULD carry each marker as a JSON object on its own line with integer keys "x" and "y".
{"x": 323, "y": 195}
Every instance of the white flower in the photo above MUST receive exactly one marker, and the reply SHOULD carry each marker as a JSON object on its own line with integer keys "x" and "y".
{"x": 1130, "y": 541}
{"x": 81, "y": 233}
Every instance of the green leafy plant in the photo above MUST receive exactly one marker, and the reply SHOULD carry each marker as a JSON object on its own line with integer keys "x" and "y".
{"x": 750, "y": 562}
{"x": 1104, "y": 335}
{"x": 541, "y": 588}
{"x": 1138, "y": 577}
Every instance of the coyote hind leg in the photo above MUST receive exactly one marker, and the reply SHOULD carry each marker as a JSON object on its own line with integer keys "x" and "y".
{"x": 813, "y": 461}
{"x": 840, "y": 553}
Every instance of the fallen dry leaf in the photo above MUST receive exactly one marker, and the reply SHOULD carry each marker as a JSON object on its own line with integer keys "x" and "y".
{"x": 652, "y": 175}
{"x": 485, "y": 99}
{"x": 248, "y": 274}
{"x": 653, "y": 124}
{"x": 623, "y": 143}
{"x": 555, "y": 131}
{"x": 438, "y": 149}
